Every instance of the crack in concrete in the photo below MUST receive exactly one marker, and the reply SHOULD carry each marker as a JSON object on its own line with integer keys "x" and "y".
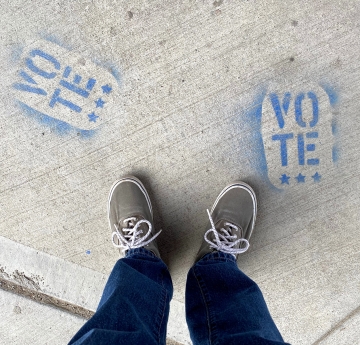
{"x": 41, "y": 297}
{"x": 337, "y": 325}
{"x": 24, "y": 280}
{"x": 37, "y": 295}
{"x": 31, "y": 282}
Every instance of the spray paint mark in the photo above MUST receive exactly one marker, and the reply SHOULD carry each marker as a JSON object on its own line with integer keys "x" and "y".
{"x": 57, "y": 126}
{"x": 334, "y": 101}
{"x": 62, "y": 90}
{"x": 56, "y": 40}
{"x": 16, "y": 52}
{"x": 294, "y": 135}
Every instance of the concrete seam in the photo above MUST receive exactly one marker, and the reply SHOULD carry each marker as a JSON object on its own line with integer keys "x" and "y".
{"x": 43, "y": 298}
{"x": 337, "y": 325}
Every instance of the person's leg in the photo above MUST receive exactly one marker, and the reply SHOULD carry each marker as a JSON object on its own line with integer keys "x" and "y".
{"x": 134, "y": 308}
{"x": 223, "y": 305}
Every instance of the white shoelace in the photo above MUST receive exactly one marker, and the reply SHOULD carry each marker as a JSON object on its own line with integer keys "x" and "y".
{"x": 225, "y": 242}
{"x": 131, "y": 238}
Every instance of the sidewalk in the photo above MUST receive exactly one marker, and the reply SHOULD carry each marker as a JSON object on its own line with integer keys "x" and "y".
{"x": 187, "y": 96}
{"x": 40, "y": 293}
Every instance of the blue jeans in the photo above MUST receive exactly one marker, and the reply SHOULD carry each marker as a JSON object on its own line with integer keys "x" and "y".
{"x": 223, "y": 305}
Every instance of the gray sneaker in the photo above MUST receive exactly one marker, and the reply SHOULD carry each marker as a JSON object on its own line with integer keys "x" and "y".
{"x": 131, "y": 216}
{"x": 231, "y": 221}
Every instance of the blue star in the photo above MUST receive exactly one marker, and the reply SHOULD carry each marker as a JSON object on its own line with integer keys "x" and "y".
{"x": 106, "y": 89}
{"x": 316, "y": 177}
{"x": 99, "y": 103}
{"x": 92, "y": 117}
{"x": 300, "y": 178}
{"x": 284, "y": 179}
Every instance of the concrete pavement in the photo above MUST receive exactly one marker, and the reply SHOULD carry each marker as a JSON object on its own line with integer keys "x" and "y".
{"x": 188, "y": 97}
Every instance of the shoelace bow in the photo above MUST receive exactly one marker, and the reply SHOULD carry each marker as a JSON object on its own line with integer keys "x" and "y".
{"x": 132, "y": 238}
{"x": 224, "y": 241}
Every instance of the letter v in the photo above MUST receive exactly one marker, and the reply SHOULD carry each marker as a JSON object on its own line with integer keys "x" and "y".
{"x": 24, "y": 87}
{"x": 277, "y": 108}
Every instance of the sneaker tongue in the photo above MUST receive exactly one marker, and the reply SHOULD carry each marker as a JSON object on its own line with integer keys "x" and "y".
{"x": 129, "y": 222}
{"x": 224, "y": 224}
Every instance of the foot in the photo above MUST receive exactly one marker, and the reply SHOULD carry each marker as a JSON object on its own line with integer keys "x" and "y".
{"x": 131, "y": 216}
{"x": 231, "y": 221}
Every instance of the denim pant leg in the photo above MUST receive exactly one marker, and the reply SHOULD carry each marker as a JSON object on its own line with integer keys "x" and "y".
{"x": 224, "y": 306}
{"x": 134, "y": 307}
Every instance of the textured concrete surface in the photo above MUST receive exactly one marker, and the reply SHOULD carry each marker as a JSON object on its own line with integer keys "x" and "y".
{"x": 71, "y": 288}
{"x": 202, "y": 93}
{"x": 27, "y": 322}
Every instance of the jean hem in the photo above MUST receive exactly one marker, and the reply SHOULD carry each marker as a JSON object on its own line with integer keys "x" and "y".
{"x": 217, "y": 256}
{"x": 140, "y": 251}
